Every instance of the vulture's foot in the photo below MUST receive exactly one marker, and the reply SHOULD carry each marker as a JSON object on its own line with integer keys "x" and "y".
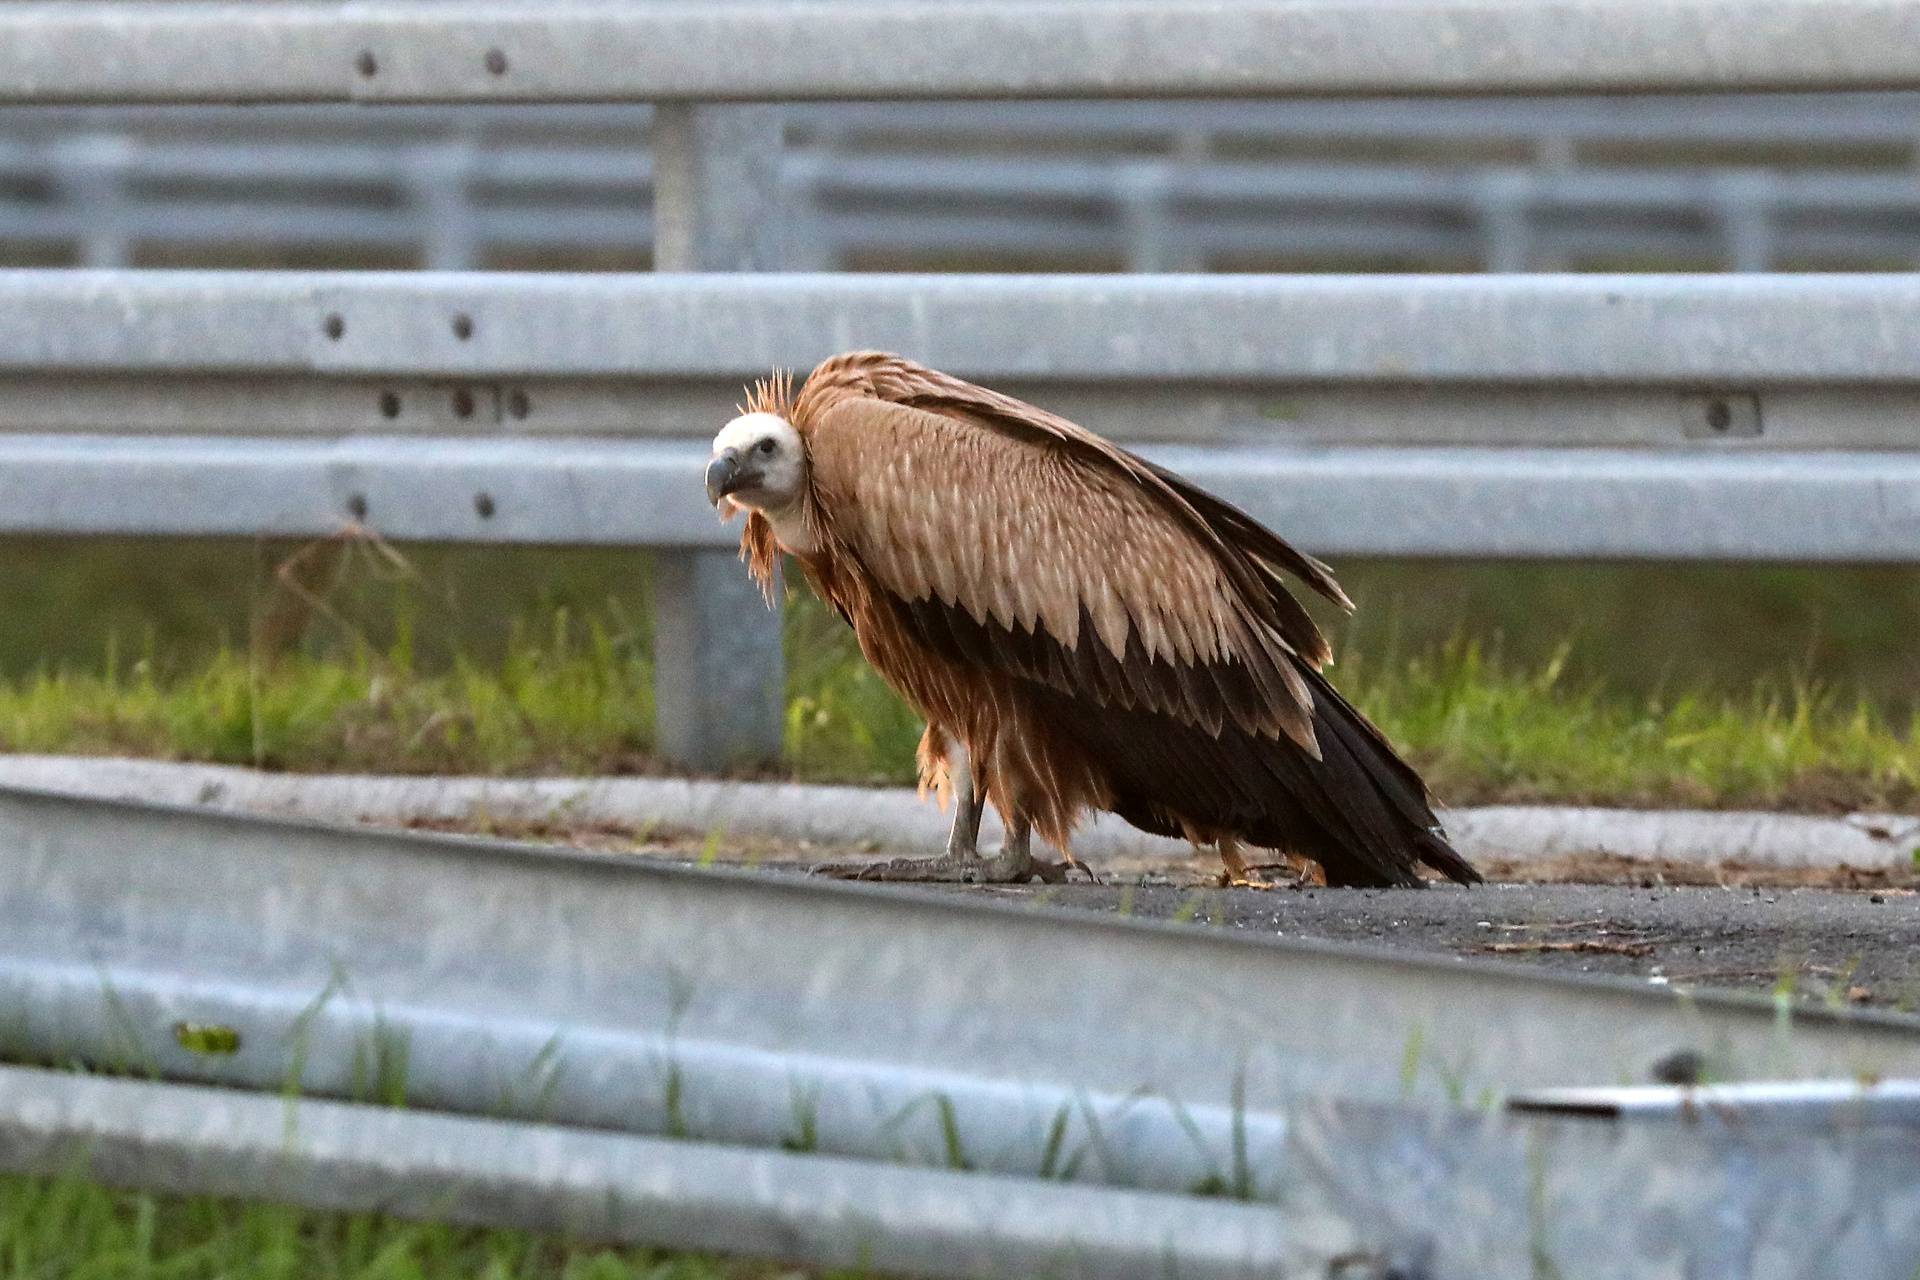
{"x": 1234, "y": 871}
{"x": 1262, "y": 876}
{"x": 1237, "y": 873}
{"x": 1009, "y": 866}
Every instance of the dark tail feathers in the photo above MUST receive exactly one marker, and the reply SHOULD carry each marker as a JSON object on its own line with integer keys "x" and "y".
{"x": 1382, "y": 801}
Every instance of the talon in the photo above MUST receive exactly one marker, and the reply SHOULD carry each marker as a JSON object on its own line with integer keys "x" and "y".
{"x": 1292, "y": 876}
{"x": 839, "y": 870}
{"x": 1074, "y": 864}
{"x": 1049, "y": 872}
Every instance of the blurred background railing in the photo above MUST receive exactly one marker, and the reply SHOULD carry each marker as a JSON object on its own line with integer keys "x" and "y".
{"x": 1737, "y": 183}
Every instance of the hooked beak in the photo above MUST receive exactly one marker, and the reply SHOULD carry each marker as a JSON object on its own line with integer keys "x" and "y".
{"x": 724, "y": 476}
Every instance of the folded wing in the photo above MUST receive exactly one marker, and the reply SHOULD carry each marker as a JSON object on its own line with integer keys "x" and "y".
{"x": 1017, "y": 541}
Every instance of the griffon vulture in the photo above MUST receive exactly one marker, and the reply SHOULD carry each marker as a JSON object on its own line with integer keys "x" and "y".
{"x": 1080, "y": 629}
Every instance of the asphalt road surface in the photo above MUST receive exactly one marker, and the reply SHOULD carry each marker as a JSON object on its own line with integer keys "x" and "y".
{"x": 1855, "y": 946}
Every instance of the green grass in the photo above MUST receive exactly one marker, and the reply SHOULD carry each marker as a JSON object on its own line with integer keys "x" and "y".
{"x": 1637, "y": 628}
{"x": 71, "y": 1229}
{"x": 575, "y": 699}
{"x": 1487, "y": 732}
{"x": 578, "y": 701}
{"x": 453, "y": 662}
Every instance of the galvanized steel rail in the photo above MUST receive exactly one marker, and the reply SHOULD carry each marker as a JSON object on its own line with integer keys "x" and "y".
{"x": 454, "y": 196}
{"x": 600, "y": 991}
{"x": 1517, "y": 503}
{"x": 869, "y": 1216}
{"x": 761, "y": 1064}
{"x": 1661, "y": 330}
{"x": 1359, "y": 1191}
{"x": 1432, "y": 416}
{"x": 557, "y": 409}
{"x": 401, "y": 51}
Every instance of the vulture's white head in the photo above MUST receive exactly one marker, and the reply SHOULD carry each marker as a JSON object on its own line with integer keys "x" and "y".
{"x": 759, "y": 463}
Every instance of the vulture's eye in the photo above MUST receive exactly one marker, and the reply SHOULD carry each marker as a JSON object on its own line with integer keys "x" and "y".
{"x": 765, "y": 446}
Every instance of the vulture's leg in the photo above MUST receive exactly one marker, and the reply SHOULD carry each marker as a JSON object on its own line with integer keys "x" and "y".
{"x": 1015, "y": 863}
{"x": 969, "y": 802}
{"x": 1235, "y": 873}
{"x": 1238, "y": 873}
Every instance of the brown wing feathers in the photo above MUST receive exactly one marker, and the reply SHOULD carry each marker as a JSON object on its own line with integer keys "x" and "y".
{"x": 1071, "y": 575}
{"x": 1229, "y": 530}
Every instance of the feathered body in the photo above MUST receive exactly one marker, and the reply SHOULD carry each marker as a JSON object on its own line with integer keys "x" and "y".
{"x": 1096, "y": 632}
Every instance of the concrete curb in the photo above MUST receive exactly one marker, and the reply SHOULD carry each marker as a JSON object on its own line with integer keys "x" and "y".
{"x": 893, "y": 818}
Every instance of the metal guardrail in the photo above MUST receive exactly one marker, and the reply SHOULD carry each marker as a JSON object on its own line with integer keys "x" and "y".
{"x": 609, "y": 1187}
{"x": 1878, "y": 123}
{"x": 578, "y": 403}
{"x": 1542, "y": 128}
{"x": 835, "y": 1039}
{"x": 1424, "y": 331}
{"x": 1182, "y": 215}
{"x": 614, "y": 993}
{"x": 1803, "y": 1103}
{"x": 416, "y": 50}
{"x": 1520, "y": 503}
{"x": 1363, "y": 1192}
{"x": 116, "y": 193}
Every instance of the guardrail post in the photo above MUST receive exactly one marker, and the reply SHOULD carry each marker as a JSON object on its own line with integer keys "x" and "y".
{"x": 720, "y": 677}
{"x": 90, "y": 172}
{"x": 436, "y": 180}
{"x": 1144, "y": 193}
{"x": 1505, "y": 200}
{"x": 1742, "y": 204}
